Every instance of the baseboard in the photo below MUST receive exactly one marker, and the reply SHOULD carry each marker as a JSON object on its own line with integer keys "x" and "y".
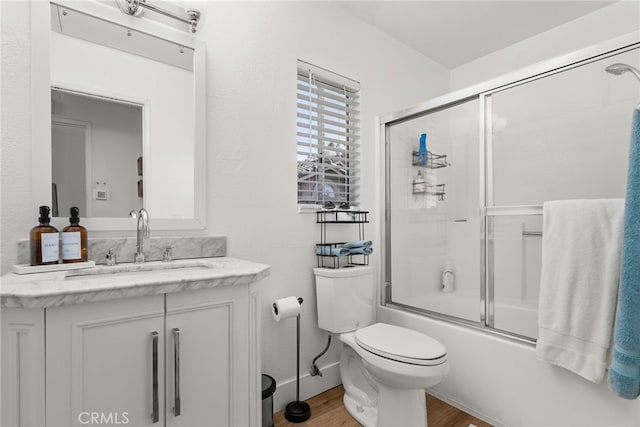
{"x": 464, "y": 408}
{"x": 309, "y": 385}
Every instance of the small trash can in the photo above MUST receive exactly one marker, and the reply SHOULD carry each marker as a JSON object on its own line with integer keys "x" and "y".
{"x": 268, "y": 388}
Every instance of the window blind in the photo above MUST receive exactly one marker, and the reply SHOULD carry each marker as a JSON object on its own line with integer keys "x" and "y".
{"x": 327, "y": 136}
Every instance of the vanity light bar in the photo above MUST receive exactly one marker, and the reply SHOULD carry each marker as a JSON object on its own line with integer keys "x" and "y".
{"x": 133, "y": 9}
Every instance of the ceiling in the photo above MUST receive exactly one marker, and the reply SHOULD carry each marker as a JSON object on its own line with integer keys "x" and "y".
{"x": 453, "y": 33}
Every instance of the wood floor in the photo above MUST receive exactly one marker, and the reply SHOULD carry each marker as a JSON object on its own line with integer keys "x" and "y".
{"x": 327, "y": 411}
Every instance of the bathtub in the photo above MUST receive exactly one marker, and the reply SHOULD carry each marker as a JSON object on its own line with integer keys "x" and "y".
{"x": 500, "y": 380}
{"x": 510, "y": 316}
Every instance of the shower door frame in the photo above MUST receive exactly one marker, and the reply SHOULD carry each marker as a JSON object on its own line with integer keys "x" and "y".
{"x": 487, "y": 209}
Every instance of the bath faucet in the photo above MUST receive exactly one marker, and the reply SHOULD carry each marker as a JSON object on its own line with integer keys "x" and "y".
{"x": 142, "y": 232}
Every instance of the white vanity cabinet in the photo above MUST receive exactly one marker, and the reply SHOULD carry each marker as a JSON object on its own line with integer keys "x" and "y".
{"x": 175, "y": 348}
{"x": 99, "y": 361}
{"x": 177, "y": 360}
{"x": 210, "y": 333}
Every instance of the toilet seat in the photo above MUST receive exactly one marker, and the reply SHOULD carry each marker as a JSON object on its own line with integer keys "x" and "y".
{"x": 401, "y": 344}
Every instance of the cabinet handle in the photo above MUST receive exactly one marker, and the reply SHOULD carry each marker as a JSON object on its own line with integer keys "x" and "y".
{"x": 176, "y": 378}
{"x": 155, "y": 415}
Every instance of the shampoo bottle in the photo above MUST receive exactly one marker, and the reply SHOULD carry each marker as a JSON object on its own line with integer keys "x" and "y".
{"x": 74, "y": 239}
{"x": 44, "y": 240}
{"x": 419, "y": 184}
{"x": 422, "y": 150}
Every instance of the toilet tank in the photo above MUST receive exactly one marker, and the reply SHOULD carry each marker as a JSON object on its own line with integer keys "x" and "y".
{"x": 345, "y": 298}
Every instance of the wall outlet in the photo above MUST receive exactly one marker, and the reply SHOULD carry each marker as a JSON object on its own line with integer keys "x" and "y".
{"x": 101, "y": 194}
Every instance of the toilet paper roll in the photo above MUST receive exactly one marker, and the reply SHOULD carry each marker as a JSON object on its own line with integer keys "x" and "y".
{"x": 284, "y": 308}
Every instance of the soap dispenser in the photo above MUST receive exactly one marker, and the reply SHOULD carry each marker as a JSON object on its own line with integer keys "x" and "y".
{"x": 74, "y": 239}
{"x": 45, "y": 245}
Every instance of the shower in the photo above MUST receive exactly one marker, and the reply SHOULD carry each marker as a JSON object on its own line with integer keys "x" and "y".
{"x": 502, "y": 148}
{"x": 619, "y": 68}
{"x": 556, "y": 130}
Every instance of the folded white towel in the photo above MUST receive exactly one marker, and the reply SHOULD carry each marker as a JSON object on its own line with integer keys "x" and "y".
{"x": 581, "y": 244}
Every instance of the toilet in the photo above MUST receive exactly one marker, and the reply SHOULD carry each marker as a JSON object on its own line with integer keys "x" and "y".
{"x": 384, "y": 368}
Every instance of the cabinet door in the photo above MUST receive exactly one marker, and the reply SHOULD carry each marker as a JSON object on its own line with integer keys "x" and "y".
{"x": 22, "y": 376}
{"x": 101, "y": 367}
{"x": 208, "y": 330}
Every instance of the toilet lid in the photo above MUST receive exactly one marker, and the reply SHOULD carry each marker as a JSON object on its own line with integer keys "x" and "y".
{"x": 401, "y": 344}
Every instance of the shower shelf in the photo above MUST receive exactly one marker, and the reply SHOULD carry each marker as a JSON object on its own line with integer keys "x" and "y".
{"x": 433, "y": 160}
{"x": 435, "y": 190}
{"x": 339, "y": 216}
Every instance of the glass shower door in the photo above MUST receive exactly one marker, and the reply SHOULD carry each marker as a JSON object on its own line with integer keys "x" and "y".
{"x": 562, "y": 136}
{"x": 464, "y": 235}
{"x": 435, "y": 217}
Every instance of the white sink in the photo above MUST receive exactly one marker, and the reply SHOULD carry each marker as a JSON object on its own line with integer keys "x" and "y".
{"x": 147, "y": 267}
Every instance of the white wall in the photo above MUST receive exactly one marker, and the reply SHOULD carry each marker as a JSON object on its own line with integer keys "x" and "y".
{"x": 609, "y": 22}
{"x": 17, "y": 217}
{"x": 252, "y": 49}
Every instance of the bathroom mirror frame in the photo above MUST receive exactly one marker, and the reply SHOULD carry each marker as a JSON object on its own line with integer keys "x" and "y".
{"x": 41, "y": 113}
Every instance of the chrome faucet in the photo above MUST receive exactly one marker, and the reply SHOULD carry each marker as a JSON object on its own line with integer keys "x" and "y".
{"x": 142, "y": 232}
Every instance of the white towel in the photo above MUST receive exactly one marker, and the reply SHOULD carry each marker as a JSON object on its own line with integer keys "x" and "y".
{"x": 581, "y": 241}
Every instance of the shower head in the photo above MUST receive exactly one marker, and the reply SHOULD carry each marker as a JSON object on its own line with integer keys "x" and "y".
{"x": 618, "y": 69}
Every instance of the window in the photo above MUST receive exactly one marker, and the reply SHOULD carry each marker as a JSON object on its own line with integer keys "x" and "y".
{"x": 327, "y": 135}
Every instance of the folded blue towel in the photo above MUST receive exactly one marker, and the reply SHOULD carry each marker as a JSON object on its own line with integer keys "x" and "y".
{"x": 624, "y": 372}
{"x": 366, "y": 250}
{"x": 329, "y": 251}
{"x": 357, "y": 244}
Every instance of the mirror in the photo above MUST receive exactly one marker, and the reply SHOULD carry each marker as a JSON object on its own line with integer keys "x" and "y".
{"x": 89, "y": 135}
{"x": 126, "y": 119}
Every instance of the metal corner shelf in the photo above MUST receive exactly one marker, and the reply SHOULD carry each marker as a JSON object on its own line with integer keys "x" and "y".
{"x": 435, "y": 190}
{"x": 432, "y": 161}
{"x": 339, "y": 216}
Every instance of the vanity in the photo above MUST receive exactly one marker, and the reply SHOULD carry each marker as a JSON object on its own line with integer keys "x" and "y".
{"x": 161, "y": 343}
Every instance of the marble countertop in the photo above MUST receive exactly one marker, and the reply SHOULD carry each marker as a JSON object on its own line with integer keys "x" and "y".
{"x": 100, "y": 283}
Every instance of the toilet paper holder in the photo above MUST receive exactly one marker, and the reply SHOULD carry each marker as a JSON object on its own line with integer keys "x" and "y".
{"x": 296, "y": 411}
{"x": 275, "y": 307}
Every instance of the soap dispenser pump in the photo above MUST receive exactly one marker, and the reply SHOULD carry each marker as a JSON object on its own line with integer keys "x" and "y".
{"x": 45, "y": 245}
{"x": 74, "y": 239}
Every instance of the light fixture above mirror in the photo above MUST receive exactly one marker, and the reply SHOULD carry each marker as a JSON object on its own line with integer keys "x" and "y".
{"x": 102, "y": 32}
{"x": 137, "y": 7}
